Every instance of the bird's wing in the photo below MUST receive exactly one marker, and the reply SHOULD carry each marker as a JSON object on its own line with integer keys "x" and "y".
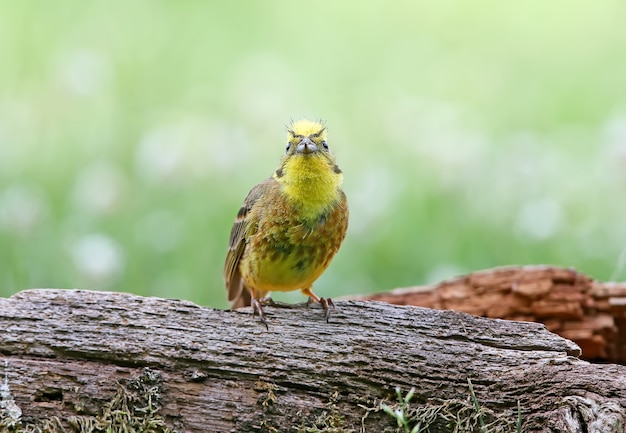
{"x": 238, "y": 294}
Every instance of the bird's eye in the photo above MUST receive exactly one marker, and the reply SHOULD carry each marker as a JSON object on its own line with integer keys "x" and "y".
{"x": 288, "y": 147}
{"x": 325, "y": 145}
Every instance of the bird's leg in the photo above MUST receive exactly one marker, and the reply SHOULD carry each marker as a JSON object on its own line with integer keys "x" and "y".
{"x": 257, "y": 306}
{"x": 327, "y": 303}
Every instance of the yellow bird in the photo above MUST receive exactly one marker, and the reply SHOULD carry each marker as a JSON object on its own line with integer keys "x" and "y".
{"x": 290, "y": 225}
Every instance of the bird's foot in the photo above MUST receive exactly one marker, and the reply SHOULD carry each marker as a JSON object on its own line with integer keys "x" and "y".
{"x": 257, "y": 308}
{"x": 327, "y": 304}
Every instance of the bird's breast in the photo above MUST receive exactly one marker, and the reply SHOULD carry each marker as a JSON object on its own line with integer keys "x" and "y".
{"x": 290, "y": 252}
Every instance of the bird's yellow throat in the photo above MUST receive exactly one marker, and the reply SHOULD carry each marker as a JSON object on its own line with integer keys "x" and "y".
{"x": 310, "y": 183}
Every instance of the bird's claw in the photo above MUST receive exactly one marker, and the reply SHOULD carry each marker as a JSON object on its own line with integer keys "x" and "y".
{"x": 327, "y": 304}
{"x": 257, "y": 308}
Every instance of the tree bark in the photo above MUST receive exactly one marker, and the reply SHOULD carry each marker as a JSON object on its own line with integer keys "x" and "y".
{"x": 589, "y": 312}
{"x": 77, "y": 360}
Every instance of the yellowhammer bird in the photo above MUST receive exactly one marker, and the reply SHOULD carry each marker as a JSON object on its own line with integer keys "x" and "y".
{"x": 290, "y": 226}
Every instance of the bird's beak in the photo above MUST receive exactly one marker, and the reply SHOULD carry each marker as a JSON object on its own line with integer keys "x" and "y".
{"x": 306, "y": 146}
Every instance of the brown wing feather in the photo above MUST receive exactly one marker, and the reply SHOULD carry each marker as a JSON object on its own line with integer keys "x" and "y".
{"x": 238, "y": 294}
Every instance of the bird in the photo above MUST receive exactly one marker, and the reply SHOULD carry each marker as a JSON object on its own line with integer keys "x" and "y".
{"x": 290, "y": 225}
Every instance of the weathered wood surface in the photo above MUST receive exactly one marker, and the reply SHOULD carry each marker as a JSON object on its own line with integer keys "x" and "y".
{"x": 589, "y": 312}
{"x": 66, "y": 352}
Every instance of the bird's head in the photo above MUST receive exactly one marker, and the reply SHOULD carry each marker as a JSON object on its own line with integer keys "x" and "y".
{"x": 306, "y": 137}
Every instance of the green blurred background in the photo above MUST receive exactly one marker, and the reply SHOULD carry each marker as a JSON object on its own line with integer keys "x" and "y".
{"x": 471, "y": 135}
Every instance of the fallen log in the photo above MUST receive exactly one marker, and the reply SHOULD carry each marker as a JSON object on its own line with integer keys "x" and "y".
{"x": 91, "y": 361}
{"x": 589, "y": 312}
